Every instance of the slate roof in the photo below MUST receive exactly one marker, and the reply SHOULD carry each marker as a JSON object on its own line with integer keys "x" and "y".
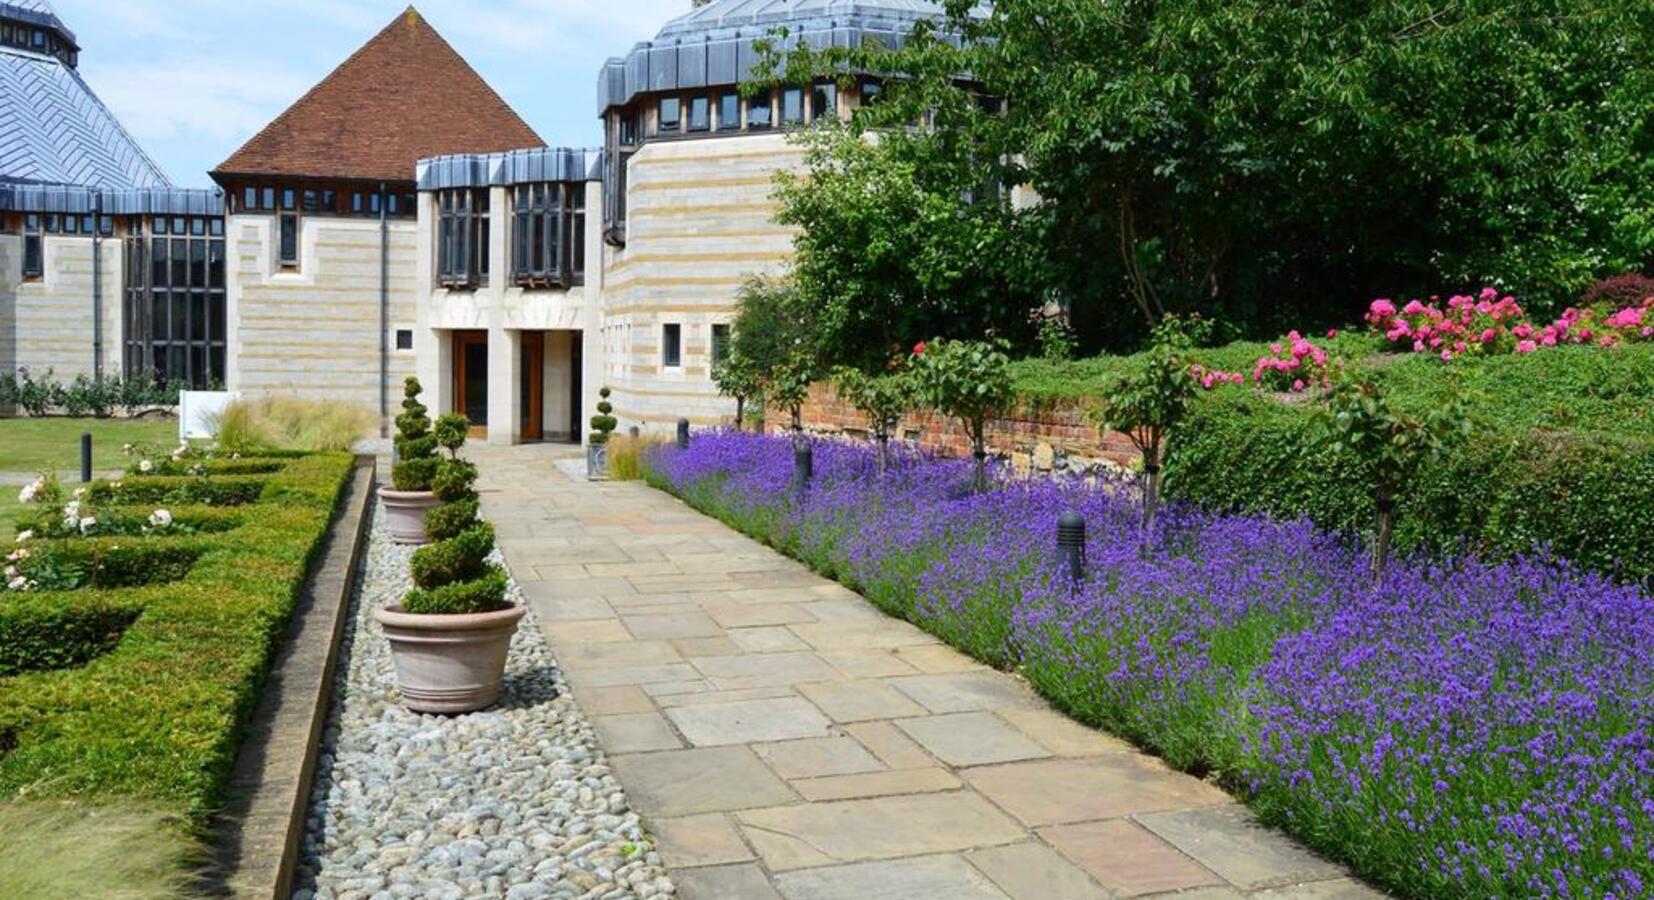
{"x": 404, "y": 96}
{"x": 54, "y": 130}
{"x": 36, "y": 12}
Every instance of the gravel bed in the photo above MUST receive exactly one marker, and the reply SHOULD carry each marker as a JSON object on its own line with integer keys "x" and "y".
{"x": 515, "y": 801}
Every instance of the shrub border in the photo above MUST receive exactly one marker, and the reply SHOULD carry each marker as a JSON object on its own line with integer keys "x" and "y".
{"x": 259, "y": 831}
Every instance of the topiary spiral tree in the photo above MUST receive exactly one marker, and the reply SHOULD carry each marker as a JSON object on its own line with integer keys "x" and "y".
{"x": 604, "y": 423}
{"x": 415, "y": 444}
{"x": 454, "y": 481}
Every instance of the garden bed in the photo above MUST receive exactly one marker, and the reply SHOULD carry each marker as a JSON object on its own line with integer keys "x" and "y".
{"x": 1456, "y": 728}
{"x": 149, "y": 708}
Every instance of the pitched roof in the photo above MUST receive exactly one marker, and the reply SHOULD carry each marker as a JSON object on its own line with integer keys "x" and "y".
{"x": 405, "y": 95}
{"x": 54, "y": 130}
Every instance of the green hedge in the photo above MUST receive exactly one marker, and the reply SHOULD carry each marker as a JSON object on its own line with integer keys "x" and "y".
{"x": 1588, "y": 496}
{"x": 54, "y": 632}
{"x": 179, "y": 490}
{"x": 159, "y": 716}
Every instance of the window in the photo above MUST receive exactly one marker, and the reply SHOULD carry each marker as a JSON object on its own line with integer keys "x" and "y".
{"x": 34, "y": 251}
{"x": 729, "y": 112}
{"x": 758, "y": 111}
{"x": 824, "y": 102}
{"x": 870, "y": 92}
{"x": 404, "y": 339}
{"x": 792, "y": 106}
{"x": 700, "y": 114}
{"x": 288, "y": 226}
{"x": 720, "y": 342}
{"x": 672, "y": 345}
{"x": 462, "y": 237}
{"x": 548, "y": 234}
{"x": 174, "y": 311}
{"x": 671, "y": 114}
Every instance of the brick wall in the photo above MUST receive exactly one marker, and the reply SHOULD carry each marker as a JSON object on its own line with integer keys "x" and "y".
{"x": 1037, "y": 438}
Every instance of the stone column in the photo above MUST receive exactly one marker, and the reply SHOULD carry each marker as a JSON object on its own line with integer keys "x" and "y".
{"x": 504, "y": 386}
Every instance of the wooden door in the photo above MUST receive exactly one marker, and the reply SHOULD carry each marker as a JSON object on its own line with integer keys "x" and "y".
{"x": 471, "y": 379}
{"x": 534, "y": 385}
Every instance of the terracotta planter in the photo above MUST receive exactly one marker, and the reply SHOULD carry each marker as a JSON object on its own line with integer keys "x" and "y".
{"x": 405, "y": 514}
{"x": 449, "y": 664}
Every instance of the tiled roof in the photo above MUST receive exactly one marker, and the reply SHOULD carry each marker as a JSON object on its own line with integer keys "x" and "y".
{"x": 515, "y": 167}
{"x": 404, "y": 96}
{"x": 53, "y": 129}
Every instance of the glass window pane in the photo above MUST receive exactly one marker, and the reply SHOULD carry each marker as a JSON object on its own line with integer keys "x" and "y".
{"x": 758, "y": 112}
{"x": 215, "y": 264}
{"x": 180, "y": 263}
{"x": 729, "y": 112}
{"x": 700, "y": 113}
{"x": 824, "y": 102}
{"x": 670, "y": 113}
{"x": 792, "y": 106}
{"x": 198, "y": 316}
{"x": 269, "y": 199}
{"x": 198, "y": 263}
{"x": 671, "y": 345}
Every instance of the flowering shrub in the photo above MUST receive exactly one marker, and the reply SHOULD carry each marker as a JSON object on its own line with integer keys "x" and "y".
{"x": 1295, "y": 364}
{"x": 1453, "y": 729}
{"x": 1489, "y": 323}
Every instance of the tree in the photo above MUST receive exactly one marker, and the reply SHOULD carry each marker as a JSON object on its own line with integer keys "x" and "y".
{"x": 738, "y": 378}
{"x": 1263, "y": 162}
{"x": 881, "y": 398}
{"x": 970, "y": 381}
{"x": 775, "y": 336}
{"x": 1146, "y": 403}
{"x": 1391, "y": 446}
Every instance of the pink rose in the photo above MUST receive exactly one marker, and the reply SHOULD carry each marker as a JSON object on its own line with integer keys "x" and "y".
{"x": 1526, "y": 346}
{"x": 1298, "y": 385}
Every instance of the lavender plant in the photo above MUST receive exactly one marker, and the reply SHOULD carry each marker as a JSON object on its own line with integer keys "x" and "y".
{"x": 1452, "y": 727}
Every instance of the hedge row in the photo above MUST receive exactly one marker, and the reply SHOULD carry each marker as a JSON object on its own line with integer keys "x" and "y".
{"x": 1589, "y": 497}
{"x": 159, "y": 716}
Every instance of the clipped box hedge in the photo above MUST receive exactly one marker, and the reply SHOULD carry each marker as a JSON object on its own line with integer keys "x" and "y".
{"x": 158, "y": 715}
{"x": 1588, "y": 496}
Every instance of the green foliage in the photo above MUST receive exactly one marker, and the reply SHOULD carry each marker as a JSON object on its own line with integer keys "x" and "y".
{"x": 776, "y": 337}
{"x": 183, "y": 490}
{"x": 461, "y": 558}
{"x": 968, "y": 380}
{"x": 905, "y": 238}
{"x": 72, "y": 851}
{"x": 454, "y": 480}
{"x": 881, "y": 398}
{"x": 1501, "y": 491}
{"x": 450, "y": 431}
{"x": 449, "y": 519}
{"x": 416, "y": 445}
{"x": 626, "y": 456}
{"x": 188, "y": 670}
{"x": 604, "y": 423}
{"x": 739, "y": 377}
{"x": 86, "y": 395}
{"x": 38, "y": 633}
{"x": 1149, "y": 400}
{"x": 484, "y": 594}
{"x": 1278, "y": 163}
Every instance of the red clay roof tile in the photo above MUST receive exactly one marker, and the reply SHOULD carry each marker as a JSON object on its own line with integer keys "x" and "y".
{"x": 405, "y": 95}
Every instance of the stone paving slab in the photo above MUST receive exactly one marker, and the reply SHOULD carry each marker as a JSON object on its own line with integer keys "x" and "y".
{"x": 785, "y": 740}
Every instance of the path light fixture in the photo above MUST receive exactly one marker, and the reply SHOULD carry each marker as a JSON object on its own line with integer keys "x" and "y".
{"x": 86, "y": 457}
{"x": 1071, "y": 544}
{"x": 803, "y": 468}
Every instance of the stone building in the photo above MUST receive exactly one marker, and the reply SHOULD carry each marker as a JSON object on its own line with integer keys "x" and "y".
{"x": 401, "y": 218}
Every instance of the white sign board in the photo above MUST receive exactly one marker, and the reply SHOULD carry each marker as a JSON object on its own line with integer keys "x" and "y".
{"x": 198, "y": 412}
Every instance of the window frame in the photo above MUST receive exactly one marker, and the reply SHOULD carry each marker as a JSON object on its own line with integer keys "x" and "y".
{"x": 35, "y": 238}
{"x": 704, "y": 102}
{"x": 732, "y": 122}
{"x": 718, "y": 350}
{"x": 661, "y": 122}
{"x": 462, "y": 233}
{"x": 792, "y": 95}
{"x": 671, "y": 345}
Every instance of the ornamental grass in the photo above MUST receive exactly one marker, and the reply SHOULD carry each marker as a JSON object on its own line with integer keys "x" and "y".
{"x": 1456, "y": 728}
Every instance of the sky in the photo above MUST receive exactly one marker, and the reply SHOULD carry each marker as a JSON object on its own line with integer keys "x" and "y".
{"x": 194, "y": 79}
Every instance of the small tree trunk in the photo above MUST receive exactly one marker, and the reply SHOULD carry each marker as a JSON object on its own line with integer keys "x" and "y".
{"x": 1151, "y": 487}
{"x": 740, "y": 411}
{"x": 883, "y": 437}
{"x": 979, "y": 452}
{"x": 1386, "y": 522}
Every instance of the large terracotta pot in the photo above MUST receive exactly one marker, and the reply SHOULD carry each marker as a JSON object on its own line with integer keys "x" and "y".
{"x": 405, "y": 514}
{"x": 449, "y": 664}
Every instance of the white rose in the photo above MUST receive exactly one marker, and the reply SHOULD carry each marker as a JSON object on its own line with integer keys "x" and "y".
{"x": 27, "y": 494}
{"x": 18, "y": 555}
{"x": 146, "y": 466}
{"x": 160, "y": 519}
{"x": 127, "y": 449}
{"x": 71, "y": 509}
{"x": 24, "y": 535}
{"x": 80, "y": 492}
{"x": 17, "y": 584}
{"x": 11, "y": 572}
{"x": 87, "y": 524}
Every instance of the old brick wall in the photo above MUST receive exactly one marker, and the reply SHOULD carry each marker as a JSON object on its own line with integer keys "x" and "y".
{"x": 1040, "y": 438}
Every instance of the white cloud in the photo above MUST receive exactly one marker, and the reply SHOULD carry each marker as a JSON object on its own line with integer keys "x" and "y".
{"x": 169, "y": 99}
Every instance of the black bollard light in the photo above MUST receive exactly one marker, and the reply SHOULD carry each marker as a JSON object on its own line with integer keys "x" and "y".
{"x": 803, "y": 468}
{"x": 86, "y": 457}
{"x": 683, "y": 434}
{"x": 1071, "y": 543}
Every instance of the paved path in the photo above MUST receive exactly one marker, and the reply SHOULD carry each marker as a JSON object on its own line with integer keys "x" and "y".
{"x": 785, "y": 739}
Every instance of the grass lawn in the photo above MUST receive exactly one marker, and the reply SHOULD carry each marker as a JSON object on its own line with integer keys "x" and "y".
{"x": 9, "y": 510}
{"x": 30, "y": 445}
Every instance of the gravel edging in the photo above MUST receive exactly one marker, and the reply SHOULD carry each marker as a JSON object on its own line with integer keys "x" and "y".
{"x": 516, "y": 801}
